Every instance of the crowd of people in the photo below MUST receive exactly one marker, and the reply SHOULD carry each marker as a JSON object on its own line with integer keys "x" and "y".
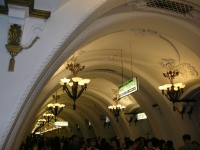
{"x": 77, "y": 143}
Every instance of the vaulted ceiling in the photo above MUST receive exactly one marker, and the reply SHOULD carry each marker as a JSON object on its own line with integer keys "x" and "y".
{"x": 128, "y": 40}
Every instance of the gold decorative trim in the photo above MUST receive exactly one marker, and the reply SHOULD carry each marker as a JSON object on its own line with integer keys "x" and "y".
{"x": 13, "y": 50}
{"x": 32, "y": 12}
{"x": 13, "y": 46}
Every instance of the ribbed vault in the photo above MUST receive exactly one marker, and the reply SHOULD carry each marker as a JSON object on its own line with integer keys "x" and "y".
{"x": 114, "y": 48}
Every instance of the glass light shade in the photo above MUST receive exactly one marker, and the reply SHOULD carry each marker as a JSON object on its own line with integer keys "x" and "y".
{"x": 70, "y": 83}
{"x": 183, "y": 86}
{"x": 116, "y": 106}
{"x": 177, "y": 85}
{"x": 56, "y": 104}
{"x": 161, "y": 88}
{"x": 76, "y": 79}
{"x": 86, "y": 81}
{"x": 61, "y": 83}
{"x": 175, "y": 88}
{"x": 110, "y": 107}
{"x": 166, "y": 86}
{"x": 123, "y": 107}
{"x": 48, "y": 114}
{"x": 81, "y": 83}
{"x": 50, "y": 105}
{"x": 41, "y": 120}
{"x": 64, "y": 80}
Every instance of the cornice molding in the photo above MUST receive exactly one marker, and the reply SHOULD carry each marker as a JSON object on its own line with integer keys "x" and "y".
{"x": 30, "y": 4}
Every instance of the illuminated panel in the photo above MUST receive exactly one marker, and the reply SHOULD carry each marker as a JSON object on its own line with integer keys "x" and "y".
{"x": 61, "y": 123}
{"x": 141, "y": 116}
{"x": 128, "y": 87}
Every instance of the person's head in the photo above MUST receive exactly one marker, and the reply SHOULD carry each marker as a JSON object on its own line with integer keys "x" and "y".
{"x": 162, "y": 144}
{"x": 186, "y": 138}
{"x": 131, "y": 145}
{"x": 115, "y": 143}
{"x": 75, "y": 138}
{"x": 141, "y": 140}
{"x": 155, "y": 142}
{"x": 149, "y": 144}
{"x": 170, "y": 144}
{"x": 93, "y": 142}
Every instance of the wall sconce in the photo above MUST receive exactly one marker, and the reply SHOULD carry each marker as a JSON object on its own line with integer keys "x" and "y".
{"x": 14, "y": 41}
{"x": 131, "y": 119}
{"x": 17, "y": 19}
{"x": 184, "y": 107}
{"x": 136, "y": 115}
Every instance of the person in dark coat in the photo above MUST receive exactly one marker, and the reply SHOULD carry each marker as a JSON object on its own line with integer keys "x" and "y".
{"x": 73, "y": 143}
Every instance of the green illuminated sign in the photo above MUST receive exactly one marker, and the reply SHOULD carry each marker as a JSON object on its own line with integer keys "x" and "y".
{"x": 128, "y": 87}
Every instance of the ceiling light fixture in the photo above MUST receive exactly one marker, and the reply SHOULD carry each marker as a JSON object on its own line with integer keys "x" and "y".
{"x": 77, "y": 84}
{"x": 48, "y": 117}
{"x": 116, "y": 109}
{"x": 172, "y": 91}
{"x": 55, "y": 108}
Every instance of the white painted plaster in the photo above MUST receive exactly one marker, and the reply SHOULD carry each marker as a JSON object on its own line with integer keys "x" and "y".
{"x": 14, "y": 86}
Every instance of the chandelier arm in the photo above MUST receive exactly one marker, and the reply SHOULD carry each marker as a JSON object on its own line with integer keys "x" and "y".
{"x": 55, "y": 118}
{"x": 177, "y": 94}
{"x": 167, "y": 96}
{"x": 56, "y": 110}
{"x": 48, "y": 119}
{"x": 67, "y": 91}
{"x": 80, "y": 92}
{"x": 60, "y": 110}
{"x": 182, "y": 111}
{"x": 52, "y": 110}
{"x": 74, "y": 90}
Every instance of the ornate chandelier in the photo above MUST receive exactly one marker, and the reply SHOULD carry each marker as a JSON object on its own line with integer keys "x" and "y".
{"x": 77, "y": 84}
{"x": 55, "y": 108}
{"x": 172, "y": 91}
{"x": 116, "y": 109}
{"x": 48, "y": 117}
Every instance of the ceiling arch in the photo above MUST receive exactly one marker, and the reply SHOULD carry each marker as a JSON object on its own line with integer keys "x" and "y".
{"x": 145, "y": 39}
{"x": 104, "y": 46}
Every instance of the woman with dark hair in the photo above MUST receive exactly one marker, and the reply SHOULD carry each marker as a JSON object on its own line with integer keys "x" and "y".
{"x": 115, "y": 144}
{"x": 93, "y": 145}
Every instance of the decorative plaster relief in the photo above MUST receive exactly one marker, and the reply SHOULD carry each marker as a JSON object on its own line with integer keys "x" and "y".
{"x": 137, "y": 4}
{"x": 142, "y": 32}
{"x": 195, "y": 14}
{"x": 185, "y": 69}
{"x": 6, "y": 139}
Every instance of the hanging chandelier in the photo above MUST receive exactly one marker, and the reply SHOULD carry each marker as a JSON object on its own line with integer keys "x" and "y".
{"x": 48, "y": 117}
{"x": 172, "y": 91}
{"x": 55, "y": 108}
{"x": 116, "y": 109}
{"x": 77, "y": 84}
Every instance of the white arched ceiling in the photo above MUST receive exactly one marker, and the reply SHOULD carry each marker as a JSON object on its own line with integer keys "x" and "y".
{"x": 124, "y": 44}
